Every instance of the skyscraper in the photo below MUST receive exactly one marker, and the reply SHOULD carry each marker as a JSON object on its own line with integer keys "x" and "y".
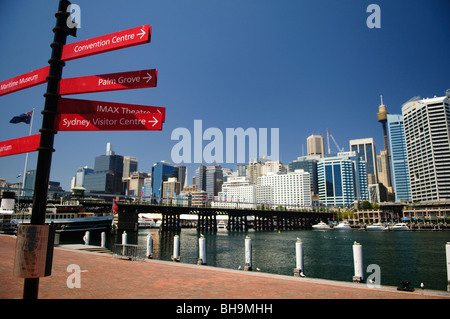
{"x": 365, "y": 147}
{"x": 214, "y": 180}
{"x": 399, "y": 159}
{"x": 161, "y": 172}
{"x": 107, "y": 176}
{"x": 130, "y": 165}
{"x": 342, "y": 179}
{"x": 315, "y": 145}
{"x": 427, "y": 136}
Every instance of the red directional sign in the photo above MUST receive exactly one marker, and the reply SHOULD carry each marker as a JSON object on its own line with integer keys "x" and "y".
{"x": 108, "y": 122}
{"x": 109, "y": 82}
{"x": 108, "y": 42}
{"x": 24, "y": 81}
{"x": 73, "y": 106}
{"x": 20, "y": 145}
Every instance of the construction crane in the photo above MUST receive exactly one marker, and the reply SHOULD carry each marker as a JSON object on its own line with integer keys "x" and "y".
{"x": 335, "y": 143}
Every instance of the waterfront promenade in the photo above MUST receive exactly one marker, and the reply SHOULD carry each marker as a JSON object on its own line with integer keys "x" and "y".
{"x": 105, "y": 277}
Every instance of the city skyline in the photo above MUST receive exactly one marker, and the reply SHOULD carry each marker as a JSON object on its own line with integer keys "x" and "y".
{"x": 300, "y": 67}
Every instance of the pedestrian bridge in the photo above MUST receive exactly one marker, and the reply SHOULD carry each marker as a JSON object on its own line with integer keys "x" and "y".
{"x": 238, "y": 219}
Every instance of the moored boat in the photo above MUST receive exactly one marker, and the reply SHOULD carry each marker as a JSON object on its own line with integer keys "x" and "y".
{"x": 321, "y": 226}
{"x": 400, "y": 226}
{"x": 345, "y": 225}
{"x": 376, "y": 227}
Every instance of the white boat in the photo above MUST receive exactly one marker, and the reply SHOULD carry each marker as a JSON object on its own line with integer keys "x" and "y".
{"x": 376, "y": 226}
{"x": 345, "y": 225}
{"x": 321, "y": 226}
{"x": 221, "y": 225}
{"x": 400, "y": 226}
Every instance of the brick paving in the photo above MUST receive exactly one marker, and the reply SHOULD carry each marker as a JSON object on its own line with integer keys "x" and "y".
{"x": 105, "y": 277}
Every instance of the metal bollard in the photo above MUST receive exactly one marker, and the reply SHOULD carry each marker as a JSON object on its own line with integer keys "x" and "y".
{"x": 358, "y": 262}
{"x": 298, "y": 271}
{"x": 248, "y": 254}
{"x": 176, "y": 248}
{"x": 201, "y": 250}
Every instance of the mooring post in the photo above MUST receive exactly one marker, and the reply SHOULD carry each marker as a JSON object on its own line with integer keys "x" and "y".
{"x": 149, "y": 246}
{"x": 447, "y": 252}
{"x": 87, "y": 237}
{"x": 248, "y": 253}
{"x": 103, "y": 240}
{"x": 358, "y": 262}
{"x": 201, "y": 250}
{"x": 298, "y": 271}
{"x": 176, "y": 248}
{"x": 124, "y": 243}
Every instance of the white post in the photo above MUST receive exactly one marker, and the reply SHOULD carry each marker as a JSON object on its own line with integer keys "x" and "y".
{"x": 201, "y": 250}
{"x": 87, "y": 237}
{"x": 447, "y": 250}
{"x": 176, "y": 248}
{"x": 149, "y": 246}
{"x": 248, "y": 254}
{"x": 358, "y": 262}
{"x": 124, "y": 238}
{"x": 103, "y": 240}
{"x": 298, "y": 271}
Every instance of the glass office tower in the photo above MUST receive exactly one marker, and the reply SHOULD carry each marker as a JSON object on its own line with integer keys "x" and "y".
{"x": 399, "y": 159}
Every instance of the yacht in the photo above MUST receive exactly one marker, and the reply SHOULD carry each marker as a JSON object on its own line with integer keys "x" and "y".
{"x": 376, "y": 226}
{"x": 345, "y": 225}
{"x": 321, "y": 226}
{"x": 400, "y": 226}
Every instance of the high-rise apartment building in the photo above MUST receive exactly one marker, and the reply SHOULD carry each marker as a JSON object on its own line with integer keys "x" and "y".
{"x": 308, "y": 164}
{"x": 291, "y": 190}
{"x": 315, "y": 145}
{"x": 427, "y": 136}
{"x": 237, "y": 192}
{"x": 399, "y": 160}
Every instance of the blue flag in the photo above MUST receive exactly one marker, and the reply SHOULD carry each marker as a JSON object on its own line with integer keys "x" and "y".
{"x": 24, "y": 117}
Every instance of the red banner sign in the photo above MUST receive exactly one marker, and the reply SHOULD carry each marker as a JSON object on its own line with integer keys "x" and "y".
{"x": 74, "y": 106}
{"x": 24, "y": 81}
{"x": 20, "y": 145}
{"x": 109, "y": 82}
{"x": 108, "y": 122}
{"x": 108, "y": 42}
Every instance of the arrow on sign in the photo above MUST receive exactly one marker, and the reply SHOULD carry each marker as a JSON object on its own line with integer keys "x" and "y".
{"x": 109, "y": 82}
{"x": 142, "y": 33}
{"x": 155, "y": 121}
{"x": 148, "y": 77}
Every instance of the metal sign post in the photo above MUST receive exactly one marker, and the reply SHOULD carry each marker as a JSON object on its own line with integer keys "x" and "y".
{"x": 31, "y": 285}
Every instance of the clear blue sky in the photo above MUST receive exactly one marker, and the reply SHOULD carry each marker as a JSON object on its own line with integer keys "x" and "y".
{"x": 300, "y": 66}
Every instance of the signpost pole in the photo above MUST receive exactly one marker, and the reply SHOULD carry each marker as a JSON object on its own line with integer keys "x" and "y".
{"x": 31, "y": 285}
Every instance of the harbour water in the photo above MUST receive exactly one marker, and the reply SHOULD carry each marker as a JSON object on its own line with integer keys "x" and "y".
{"x": 417, "y": 257}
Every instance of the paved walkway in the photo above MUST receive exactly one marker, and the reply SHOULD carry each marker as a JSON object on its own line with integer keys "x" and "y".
{"x": 105, "y": 277}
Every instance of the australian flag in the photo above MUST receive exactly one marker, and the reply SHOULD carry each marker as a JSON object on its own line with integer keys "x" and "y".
{"x": 24, "y": 117}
